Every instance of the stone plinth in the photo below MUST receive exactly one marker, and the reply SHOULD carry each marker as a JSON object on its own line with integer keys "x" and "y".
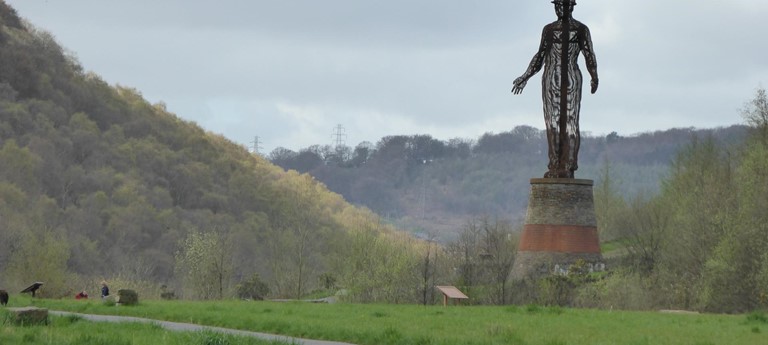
{"x": 560, "y": 228}
{"x": 29, "y": 316}
{"x": 127, "y": 297}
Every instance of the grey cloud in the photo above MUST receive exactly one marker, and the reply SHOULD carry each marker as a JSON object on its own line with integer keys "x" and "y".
{"x": 442, "y": 65}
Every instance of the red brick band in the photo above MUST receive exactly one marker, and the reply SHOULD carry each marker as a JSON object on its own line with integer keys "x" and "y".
{"x": 559, "y": 238}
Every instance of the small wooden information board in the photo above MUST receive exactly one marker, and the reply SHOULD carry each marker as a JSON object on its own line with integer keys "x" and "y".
{"x": 451, "y": 292}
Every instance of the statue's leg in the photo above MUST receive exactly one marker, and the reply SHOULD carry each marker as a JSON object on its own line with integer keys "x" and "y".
{"x": 553, "y": 141}
{"x": 550, "y": 89}
{"x": 574, "y": 108}
{"x": 575, "y": 137}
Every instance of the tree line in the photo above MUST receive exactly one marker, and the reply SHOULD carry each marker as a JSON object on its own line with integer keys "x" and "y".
{"x": 434, "y": 186}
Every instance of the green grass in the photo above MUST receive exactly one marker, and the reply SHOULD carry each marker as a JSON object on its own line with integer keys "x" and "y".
{"x": 74, "y": 331}
{"x": 607, "y": 247}
{"x": 409, "y": 324}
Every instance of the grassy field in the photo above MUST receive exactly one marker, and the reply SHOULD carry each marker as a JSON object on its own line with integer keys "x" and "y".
{"x": 75, "y": 331}
{"x": 408, "y": 324}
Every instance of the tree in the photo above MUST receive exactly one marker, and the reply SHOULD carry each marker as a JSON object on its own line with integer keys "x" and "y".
{"x": 282, "y": 156}
{"x": 735, "y": 274}
{"x": 306, "y": 160}
{"x": 755, "y": 113}
{"x": 361, "y": 154}
{"x": 376, "y": 264}
{"x": 205, "y": 264}
{"x": 485, "y": 254}
{"x": 19, "y": 166}
{"x": 41, "y": 256}
{"x": 295, "y": 241}
{"x": 465, "y": 251}
{"x": 612, "y": 137}
{"x": 459, "y": 148}
{"x": 339, "y": 156}
{"x": 699, "y": 195}
{"x": 609, "y": 205}
{"x": 499, "y": 251}
{"x": 428, "y": 268}
{"x": 643, "y": 227}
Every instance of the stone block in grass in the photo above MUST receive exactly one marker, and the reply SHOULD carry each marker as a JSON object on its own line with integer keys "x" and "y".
{"x": 29, "y": 316}
{"x": 127, "y": 297}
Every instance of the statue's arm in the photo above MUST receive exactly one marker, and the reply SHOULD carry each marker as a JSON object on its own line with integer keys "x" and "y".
{"x": 536, "y": 63}
{"x": 589, "y": 56}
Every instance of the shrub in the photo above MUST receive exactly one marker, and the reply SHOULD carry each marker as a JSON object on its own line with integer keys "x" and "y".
{"x": 757, "y": 317}
{"x": 253, "y": 288}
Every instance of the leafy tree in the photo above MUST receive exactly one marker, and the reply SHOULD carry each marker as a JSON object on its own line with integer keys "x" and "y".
{"x": 377, "y": 265}
{"x": 19, "y": 166}
{"x": 282, "y": 156}
{"x": 204, "y": 262}
{"x": 14, "y": 206}
{"x": 734, "y": 275}
{"x": 699, "y": 195}
{"x": 306, "y": 160}
{"x": 361, "y": 154}
{"x": 459, "y": 148}
{"x": 41, "y": 256}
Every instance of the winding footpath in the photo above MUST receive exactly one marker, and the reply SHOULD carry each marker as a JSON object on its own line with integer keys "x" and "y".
{"x": 177, "y": 326}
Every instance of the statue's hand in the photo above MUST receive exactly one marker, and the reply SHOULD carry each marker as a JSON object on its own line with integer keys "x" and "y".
{"x": 519, "y": 85}
{"x": 594, "y": 85}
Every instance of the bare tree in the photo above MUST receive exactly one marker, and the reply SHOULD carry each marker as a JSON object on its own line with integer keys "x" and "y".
{"x": 500, "y": 248}
{"x": 755, "y": 113}
{"x": 644, "y": 227}
{"x": 465, "y": 251}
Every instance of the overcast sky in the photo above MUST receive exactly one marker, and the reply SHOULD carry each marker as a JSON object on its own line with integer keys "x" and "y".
{"x": 289, "y": 71}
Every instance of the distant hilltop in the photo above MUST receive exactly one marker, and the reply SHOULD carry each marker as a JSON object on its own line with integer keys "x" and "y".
{"x": 431, "y": 185}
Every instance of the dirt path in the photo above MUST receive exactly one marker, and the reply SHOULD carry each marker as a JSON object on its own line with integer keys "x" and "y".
{"x": 176, "y": 326}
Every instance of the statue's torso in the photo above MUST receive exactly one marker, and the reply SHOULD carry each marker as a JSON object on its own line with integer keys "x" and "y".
{"x": 553, "y": 57}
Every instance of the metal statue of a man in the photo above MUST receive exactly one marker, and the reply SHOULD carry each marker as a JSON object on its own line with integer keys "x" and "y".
{"x": 561, "y": 85}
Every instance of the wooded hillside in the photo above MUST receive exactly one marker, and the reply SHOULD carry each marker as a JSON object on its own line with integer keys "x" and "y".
{"x": 96, "y": 183}
{"x": 434, "y": 187}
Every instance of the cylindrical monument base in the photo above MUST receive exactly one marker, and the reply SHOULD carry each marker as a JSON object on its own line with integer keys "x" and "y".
{"x": 560, "y": 229}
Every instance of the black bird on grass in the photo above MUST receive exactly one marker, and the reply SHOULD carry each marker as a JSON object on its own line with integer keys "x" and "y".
{"x": 3, "y": 297}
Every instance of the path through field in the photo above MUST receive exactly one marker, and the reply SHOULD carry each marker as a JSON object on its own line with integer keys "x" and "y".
{"x": 176, "y": 326}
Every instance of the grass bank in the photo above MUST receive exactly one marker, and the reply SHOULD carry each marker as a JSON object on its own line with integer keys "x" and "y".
{"x": 409, "y": 324}
{"x": 75, "y": 331}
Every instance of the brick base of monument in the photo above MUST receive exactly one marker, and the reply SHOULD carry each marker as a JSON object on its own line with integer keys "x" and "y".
{"x": 560, "y": 229}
